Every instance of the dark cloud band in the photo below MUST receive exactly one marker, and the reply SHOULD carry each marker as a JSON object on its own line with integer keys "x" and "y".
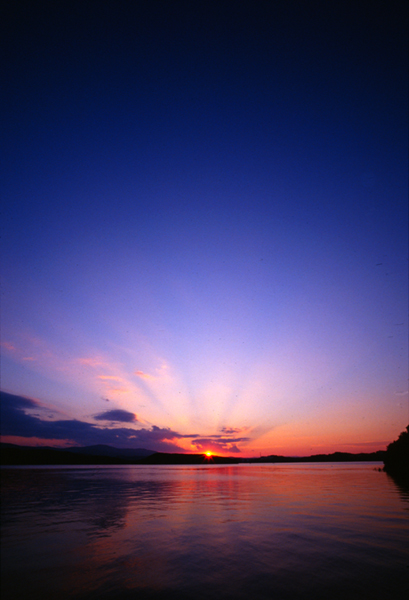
{"x": 120, "y": 416}
{"x": 16, "y": 422}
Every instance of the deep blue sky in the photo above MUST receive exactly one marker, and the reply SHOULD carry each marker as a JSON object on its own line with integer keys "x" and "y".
{"x": 204, "y": 221}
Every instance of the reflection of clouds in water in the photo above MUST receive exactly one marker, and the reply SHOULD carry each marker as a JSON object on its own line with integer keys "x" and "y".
{"x": 93, "y": 517}
{"x": 99, "y": 501}
{"x": 126, "y": 532}
{"x": 103, "y": 518}
{"x": 108, "y": 507}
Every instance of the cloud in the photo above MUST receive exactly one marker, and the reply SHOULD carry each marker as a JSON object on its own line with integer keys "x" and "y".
{"x": 143, "y": 375}
{"x": 16, "y": 422}
{"x": 121, "y": 416}
{"x": 33, "y": 441}
{"x": 218, "y": 443}
{"x": 91, "y": 362}
{"x": 20, "y": 402}
{"x": 231, "y": 430}
{"x": 8, "y": 346}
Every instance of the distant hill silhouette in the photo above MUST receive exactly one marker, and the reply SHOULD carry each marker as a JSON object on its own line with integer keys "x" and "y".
{"x": 12, "y": 454}
{"x": 104, "y": 450}
{"x": 334, "y": 457}
{"x": 162, "y": 458}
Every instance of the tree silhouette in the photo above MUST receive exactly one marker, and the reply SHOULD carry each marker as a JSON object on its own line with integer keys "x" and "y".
{"x": 396, "y": 459}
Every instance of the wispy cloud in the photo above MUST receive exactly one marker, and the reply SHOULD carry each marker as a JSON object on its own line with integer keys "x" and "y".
{"x": 108, "y": 374}
{"x": 7, "y": 346}
{"x": 143, "y": 375}
{"x": 91, "y": 362}
{"x": 231, "y": 430}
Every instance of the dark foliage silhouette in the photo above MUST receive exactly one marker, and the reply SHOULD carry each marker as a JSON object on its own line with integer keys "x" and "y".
{"x": 396, "y": 459}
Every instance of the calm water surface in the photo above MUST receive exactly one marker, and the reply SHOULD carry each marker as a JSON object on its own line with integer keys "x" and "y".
{"x": 333, "y": 531}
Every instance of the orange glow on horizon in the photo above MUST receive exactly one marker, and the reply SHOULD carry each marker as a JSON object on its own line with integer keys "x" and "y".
{"x": 35, "y": 441}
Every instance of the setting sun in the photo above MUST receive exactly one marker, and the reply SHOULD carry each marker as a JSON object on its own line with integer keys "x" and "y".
{"x": 208, "y": 454}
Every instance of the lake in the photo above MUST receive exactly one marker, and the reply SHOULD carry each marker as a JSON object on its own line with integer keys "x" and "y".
{"x": 333, "y": 531}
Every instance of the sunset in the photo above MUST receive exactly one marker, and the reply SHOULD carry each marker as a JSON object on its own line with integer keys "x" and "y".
{"x": 192, "y": 236}
{"x": 204, "y": 228}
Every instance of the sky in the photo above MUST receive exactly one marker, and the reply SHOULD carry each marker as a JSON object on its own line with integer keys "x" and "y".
{"x": 204, "y": 228}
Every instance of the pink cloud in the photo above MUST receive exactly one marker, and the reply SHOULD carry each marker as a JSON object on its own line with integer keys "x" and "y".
{"x": 35, "y": 441}
{"x": 218, "y": 443}
{"x": 90, "y": 362}
{"x": 8, "y": 346}
{"x": 143, "y": 375}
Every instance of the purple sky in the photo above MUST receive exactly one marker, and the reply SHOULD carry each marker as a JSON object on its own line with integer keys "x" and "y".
{"x": 204, "y": 225}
